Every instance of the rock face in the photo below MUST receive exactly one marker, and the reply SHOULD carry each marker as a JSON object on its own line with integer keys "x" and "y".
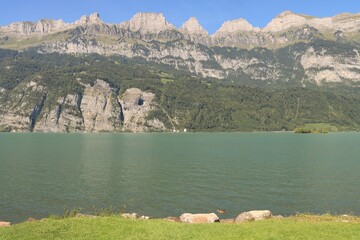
{"x": 65, "y": 117}
{"x": 199, "y": 218}
{"x": 253, "y": 216}
{"x": 100, "y": 108}
{"x": 135, "y": 106}
{"x": 97, "y": 109}
{"x": 149, "y": 22}
{"x": 22, "y": 108}
{"x": 88, "y": 20}
{"x": 324, "y": 66}
{"x": 194, "y": 32}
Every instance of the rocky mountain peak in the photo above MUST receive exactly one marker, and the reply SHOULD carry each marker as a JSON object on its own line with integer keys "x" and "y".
{"x": 345, "y": 22}
{"x": 49, "y": 26}
{"x": 149, "y": 22}
{"x": 286, "y": 20}
{"x": 285, "y": 14}
{"x": 88, "y": 20}
{"x": 234, "y": 26}
{"x": 193, "y": 27}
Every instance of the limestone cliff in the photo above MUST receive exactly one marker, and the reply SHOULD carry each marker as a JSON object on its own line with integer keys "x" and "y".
{"x": 97, "y": 109}
{"x": 135, "y": 106}
{"x": 23, "y": 106}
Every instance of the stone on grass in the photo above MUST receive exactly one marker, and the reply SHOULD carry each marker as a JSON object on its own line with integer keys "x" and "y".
{"x": 253, "y": 216}
{"x": 199, "y": 218}
{"x": 5, "y": 224}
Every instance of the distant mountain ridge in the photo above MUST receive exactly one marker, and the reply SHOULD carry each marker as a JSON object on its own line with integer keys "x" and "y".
{"x": 155, "y": 22}
{"x": 152, "y": 37}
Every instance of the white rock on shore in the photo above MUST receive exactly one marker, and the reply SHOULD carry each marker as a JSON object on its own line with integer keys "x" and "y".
{"x": 5, "y": 224}
{"x": 199, "y": 218}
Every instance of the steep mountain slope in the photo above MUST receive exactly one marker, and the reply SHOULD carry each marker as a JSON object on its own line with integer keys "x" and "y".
{"x": 147, "y": 75}
{"x": 94, "y": 93}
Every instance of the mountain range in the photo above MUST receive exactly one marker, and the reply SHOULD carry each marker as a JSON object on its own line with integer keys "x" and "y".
{"x": 293, "y": 51}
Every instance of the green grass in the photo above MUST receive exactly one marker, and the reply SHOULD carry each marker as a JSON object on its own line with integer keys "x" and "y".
{"x": 166, "y": 80}
{"x": 20, "y": 43}
{"x": 301, "y": 227}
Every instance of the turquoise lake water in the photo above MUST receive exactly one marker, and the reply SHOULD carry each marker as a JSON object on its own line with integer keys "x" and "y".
{"x": 168, "y": 174}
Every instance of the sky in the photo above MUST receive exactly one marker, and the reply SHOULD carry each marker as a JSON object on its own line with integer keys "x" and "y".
{"x": 210, "y": 13}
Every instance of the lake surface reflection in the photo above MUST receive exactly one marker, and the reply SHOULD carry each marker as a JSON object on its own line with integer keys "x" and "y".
{"x": 169, "y": 174}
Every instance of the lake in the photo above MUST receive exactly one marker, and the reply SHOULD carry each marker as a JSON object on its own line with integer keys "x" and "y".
{"x": 162, "y": 175}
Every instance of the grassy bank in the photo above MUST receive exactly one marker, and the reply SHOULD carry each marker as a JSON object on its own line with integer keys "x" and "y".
{"x": 300, "y": 227}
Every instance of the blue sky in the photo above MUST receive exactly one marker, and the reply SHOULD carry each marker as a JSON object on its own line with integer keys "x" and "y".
{"x": 210, "y": 13}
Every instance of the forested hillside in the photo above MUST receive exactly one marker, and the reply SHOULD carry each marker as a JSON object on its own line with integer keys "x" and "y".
{"x": 32, "y": 84}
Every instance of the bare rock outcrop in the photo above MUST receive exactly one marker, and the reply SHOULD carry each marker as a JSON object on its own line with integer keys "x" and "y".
{"x": 148, "y": 22}
{"x": 136, "y": 105}
{"x": 64, "y": 117}
{"x": 91, "y": 19}
{"x": 100, "y": 109}
{"x": 21, "y": 111}
{"x": 322, "y": 66}
{"x": 193, "y": 31}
